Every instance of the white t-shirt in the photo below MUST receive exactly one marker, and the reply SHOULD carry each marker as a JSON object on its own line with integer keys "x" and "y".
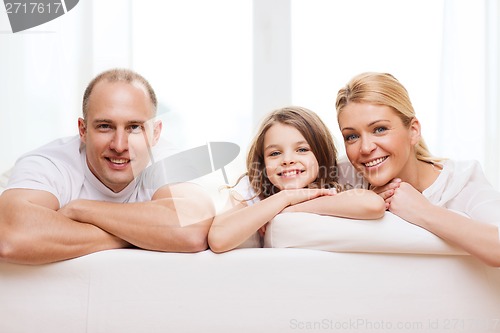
{"x": 461, "y": 186}
{"x": 60, "y": 168}
{"x": 245, "y": 191}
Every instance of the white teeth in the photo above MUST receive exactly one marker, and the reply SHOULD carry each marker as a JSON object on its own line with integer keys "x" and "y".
{"x": 118, "y": 160}
{"x": 290, "y": 173}
{"x": 375, "y": 162}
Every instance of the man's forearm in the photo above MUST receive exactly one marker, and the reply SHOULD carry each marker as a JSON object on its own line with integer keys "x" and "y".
{"x": 33, "y": 234}
{"x": 176, "y": 223}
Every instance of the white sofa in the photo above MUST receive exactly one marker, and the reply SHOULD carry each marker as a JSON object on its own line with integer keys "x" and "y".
{"x": 263, "y": 289}
{"x": 323, "y": 274}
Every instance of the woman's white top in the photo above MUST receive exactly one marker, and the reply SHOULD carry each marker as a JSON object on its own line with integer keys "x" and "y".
{"x": 461, "y": 186}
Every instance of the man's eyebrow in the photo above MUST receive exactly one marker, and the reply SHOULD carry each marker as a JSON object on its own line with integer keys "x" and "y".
{"x": 109, "y": 121}
{"x": 137, "y": 121}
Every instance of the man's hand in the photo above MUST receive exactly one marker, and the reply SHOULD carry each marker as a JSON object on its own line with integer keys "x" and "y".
{"x": 32, "y": 231}
{"x": 68, "y": 210}
{"x": 177, "y": 219}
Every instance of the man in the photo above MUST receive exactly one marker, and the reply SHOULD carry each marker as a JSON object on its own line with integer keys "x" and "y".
{"x": 94, "y": 192}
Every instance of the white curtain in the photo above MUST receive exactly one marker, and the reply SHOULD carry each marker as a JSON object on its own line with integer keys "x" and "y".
{"x": 468, "y": 123}
{"x": 42, "y": 72}
{"x": 445, "y": 53}
{"x": 462, "y": 108}
{"x": 209, "y": 66}
{"x": 492, "y": 132}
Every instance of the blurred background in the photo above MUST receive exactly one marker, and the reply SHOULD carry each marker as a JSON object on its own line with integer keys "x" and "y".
{"x": 219, "y": 66}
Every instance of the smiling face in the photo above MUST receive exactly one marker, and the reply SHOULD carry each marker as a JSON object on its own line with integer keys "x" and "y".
{"x": 289, "y": 161}
{"x": 118, "y": 132}
{"x": 377, "y": 142}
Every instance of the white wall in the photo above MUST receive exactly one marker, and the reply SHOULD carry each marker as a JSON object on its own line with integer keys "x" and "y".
{"x": 43, "y": 72}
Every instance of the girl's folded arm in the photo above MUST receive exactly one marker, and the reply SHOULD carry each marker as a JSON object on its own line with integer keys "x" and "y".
{"x": 232, "y": 227}
{"x": 356, "y": 204}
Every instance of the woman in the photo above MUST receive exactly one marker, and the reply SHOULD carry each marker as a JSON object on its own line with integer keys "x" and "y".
{"x": 382, "y": 137}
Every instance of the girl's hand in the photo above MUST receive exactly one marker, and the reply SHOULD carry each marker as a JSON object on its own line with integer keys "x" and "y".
{"x": 407, "y": 202}
{"x": 296, "y": 196}
{"x": 262, "y": 230}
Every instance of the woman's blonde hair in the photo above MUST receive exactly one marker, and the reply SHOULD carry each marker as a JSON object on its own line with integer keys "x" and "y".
{"x": 383, "y": 89}
{"x": 317, "y": 135}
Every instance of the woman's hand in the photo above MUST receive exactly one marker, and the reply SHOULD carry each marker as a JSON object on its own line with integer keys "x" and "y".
{"x": 386, "y": 191}
{"x": 407, "y": 202}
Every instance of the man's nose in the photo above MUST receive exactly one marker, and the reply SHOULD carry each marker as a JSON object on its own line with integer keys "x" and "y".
{"x": 119, "y": 143}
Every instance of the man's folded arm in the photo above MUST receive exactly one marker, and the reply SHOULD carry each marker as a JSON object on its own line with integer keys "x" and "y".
{"x": 33, "y": 232}
{"x": 177, "y": 219}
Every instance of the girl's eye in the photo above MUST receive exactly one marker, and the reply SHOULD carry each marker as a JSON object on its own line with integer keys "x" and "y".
{"x": 274, "y": 153}
{"x": 303, "y": 150}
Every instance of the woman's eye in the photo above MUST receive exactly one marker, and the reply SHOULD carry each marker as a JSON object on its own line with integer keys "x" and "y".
{"x": 350, "y": 137}
{"x": 379, "y": 129}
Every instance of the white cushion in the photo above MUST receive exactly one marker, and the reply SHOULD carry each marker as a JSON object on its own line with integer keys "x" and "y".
{"x": 390, "y": 234}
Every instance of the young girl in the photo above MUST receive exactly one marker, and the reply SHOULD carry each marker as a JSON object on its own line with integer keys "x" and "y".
{"x": 450, "y": 198}
{"x": 291, "y": 166}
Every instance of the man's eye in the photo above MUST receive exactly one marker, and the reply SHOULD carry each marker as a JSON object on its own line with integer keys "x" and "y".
{"x": 135, "y": 129}
{"x": 103, "y": 127}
